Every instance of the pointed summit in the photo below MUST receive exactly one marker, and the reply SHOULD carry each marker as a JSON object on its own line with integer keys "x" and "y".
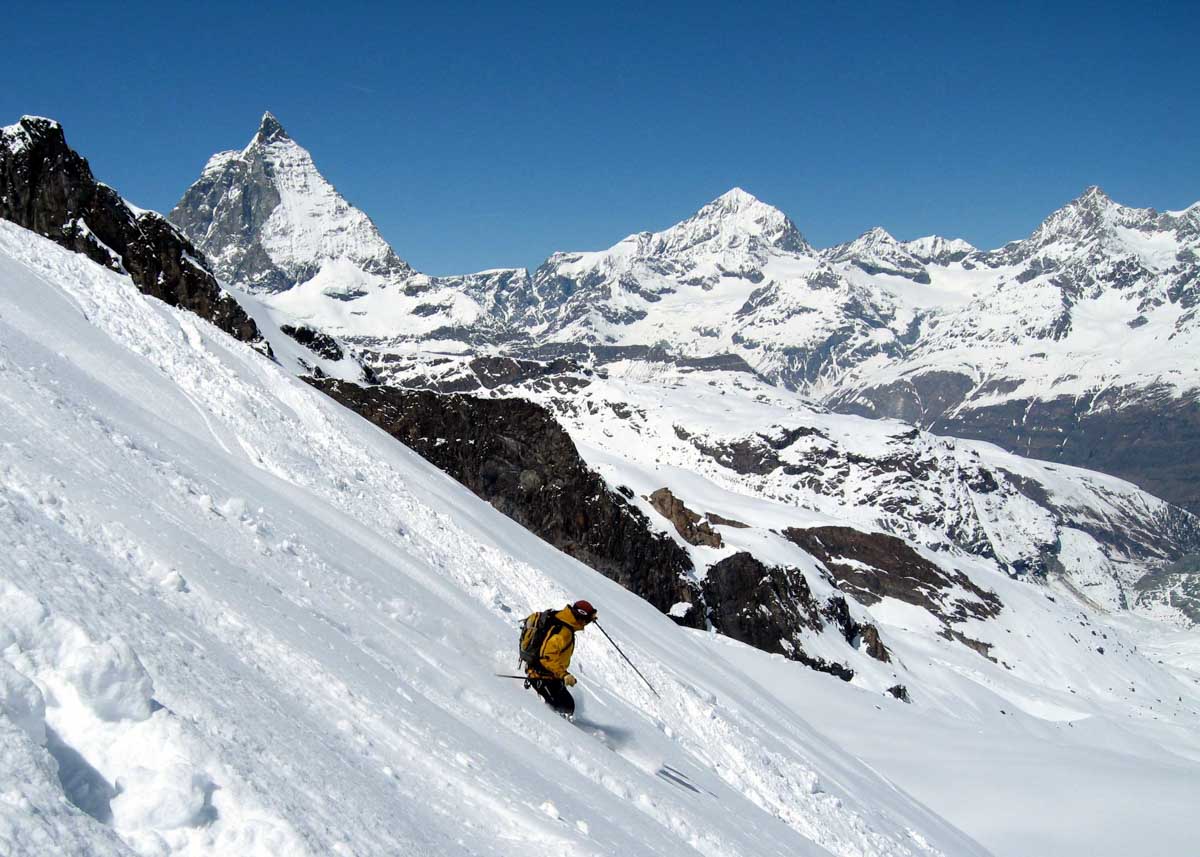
{"x": 736, "y": 198}
{"x": 268, "y": 220}
{"x": 1093, "y": 200}
{"x": 1082, "y": 220}
{"x": 270, "y": 130}
{"x": 877, "y": 252}
{"x": 877, "y": 235}
{"x": 733, "y": 219}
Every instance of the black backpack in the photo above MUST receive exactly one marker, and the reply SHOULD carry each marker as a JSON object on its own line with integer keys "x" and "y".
{"x": 534, "y": 630}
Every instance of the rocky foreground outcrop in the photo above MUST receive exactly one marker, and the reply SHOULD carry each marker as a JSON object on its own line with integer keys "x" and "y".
{"x": 46, "y": 187}
{"x": 690, "y": 526}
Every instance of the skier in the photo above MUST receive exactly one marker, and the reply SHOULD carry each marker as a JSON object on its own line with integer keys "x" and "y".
{"x": 547, "y": 643}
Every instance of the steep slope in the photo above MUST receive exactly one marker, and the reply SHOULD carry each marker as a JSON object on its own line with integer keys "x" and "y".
{"x": 237, "y": 618}
{"x": 47, "y": 187}
{"x": 736, "y": 286}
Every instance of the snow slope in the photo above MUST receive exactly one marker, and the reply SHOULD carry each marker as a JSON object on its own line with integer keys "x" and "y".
{"x": 1078, "y": 704}
{"x": 237, "y": 619}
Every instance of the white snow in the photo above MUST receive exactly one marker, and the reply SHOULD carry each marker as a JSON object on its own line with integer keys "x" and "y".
{"x": 259, "y": 626}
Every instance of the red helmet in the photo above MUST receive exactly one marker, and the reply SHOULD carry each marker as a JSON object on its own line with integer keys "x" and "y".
{"x": 584, "y": 611}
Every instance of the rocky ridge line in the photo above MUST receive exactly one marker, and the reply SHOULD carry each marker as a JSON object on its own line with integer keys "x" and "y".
{"x": 48, "y": 188}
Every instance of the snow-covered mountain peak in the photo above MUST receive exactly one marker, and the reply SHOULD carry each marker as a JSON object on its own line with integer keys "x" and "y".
{"x": 1090, "y": 217}
{"x": 877, "y": 252}
{"x": 657, "y": 285}
{"x": 1094, "y": 195}
{"x": 934, "y": 249}
{"x": 734, "y": 219}
{"x": 737, "y": 200}
{"x": 29, "y": 123}
{"x": 269, "y": 130}
{"x": 268, "y": 219}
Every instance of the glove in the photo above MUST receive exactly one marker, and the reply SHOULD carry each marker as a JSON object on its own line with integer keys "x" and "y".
{"x": 569, "y": 680}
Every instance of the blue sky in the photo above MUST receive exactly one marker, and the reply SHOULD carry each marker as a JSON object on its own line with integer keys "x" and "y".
{"x": 483, "y": 136}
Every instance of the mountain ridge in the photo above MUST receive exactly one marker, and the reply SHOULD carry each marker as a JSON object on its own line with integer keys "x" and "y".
{"x": 933, "y": 330}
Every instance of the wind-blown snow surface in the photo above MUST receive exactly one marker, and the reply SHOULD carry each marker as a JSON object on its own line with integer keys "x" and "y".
{"x": 235, "y": 618}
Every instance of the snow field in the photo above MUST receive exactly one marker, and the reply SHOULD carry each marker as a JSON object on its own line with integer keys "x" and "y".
{"x": 319, "y": 614}
{"x": 1076, "y": 695}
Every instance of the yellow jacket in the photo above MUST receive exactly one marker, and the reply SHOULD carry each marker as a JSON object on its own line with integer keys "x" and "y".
{"x": 559, "y": 645}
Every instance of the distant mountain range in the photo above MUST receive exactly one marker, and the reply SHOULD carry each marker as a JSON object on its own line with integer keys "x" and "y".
{"x": 933, "y": 331}
{"x": 1078, "y": 344}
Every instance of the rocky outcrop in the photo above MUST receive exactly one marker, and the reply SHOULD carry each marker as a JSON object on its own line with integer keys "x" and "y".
{"x": 766, "y": 608}
{"x": 495, "y": 371}
{"x": 860, "y": 635}
{"x": 321, "y": 344}
{"x": 513, "y": 454}
{"x": 770, "y": 607}
{"x": 722, "y": 521}
{"x": 46, "y": 187}
{"x": 744, "y": 455}
{"x": 691, "y": 528}
{"x": 874, "y": 566}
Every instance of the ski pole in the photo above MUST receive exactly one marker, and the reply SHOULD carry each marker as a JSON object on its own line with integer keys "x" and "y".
{"x": 626, "y": 657}
{"x": 505, "y": 675}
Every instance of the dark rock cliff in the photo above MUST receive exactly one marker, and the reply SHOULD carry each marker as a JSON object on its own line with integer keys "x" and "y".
{"x": 873, "y": 566}
{"x": 514, "y": 454}
{"x": 769, "y": 606}
{"x": 46, "y": 187}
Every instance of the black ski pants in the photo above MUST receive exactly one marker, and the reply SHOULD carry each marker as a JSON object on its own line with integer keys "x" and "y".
{"x": 554, "y": 692}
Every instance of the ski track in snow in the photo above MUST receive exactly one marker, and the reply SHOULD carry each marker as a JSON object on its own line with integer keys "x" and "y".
{"x": 290, "y": 651}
